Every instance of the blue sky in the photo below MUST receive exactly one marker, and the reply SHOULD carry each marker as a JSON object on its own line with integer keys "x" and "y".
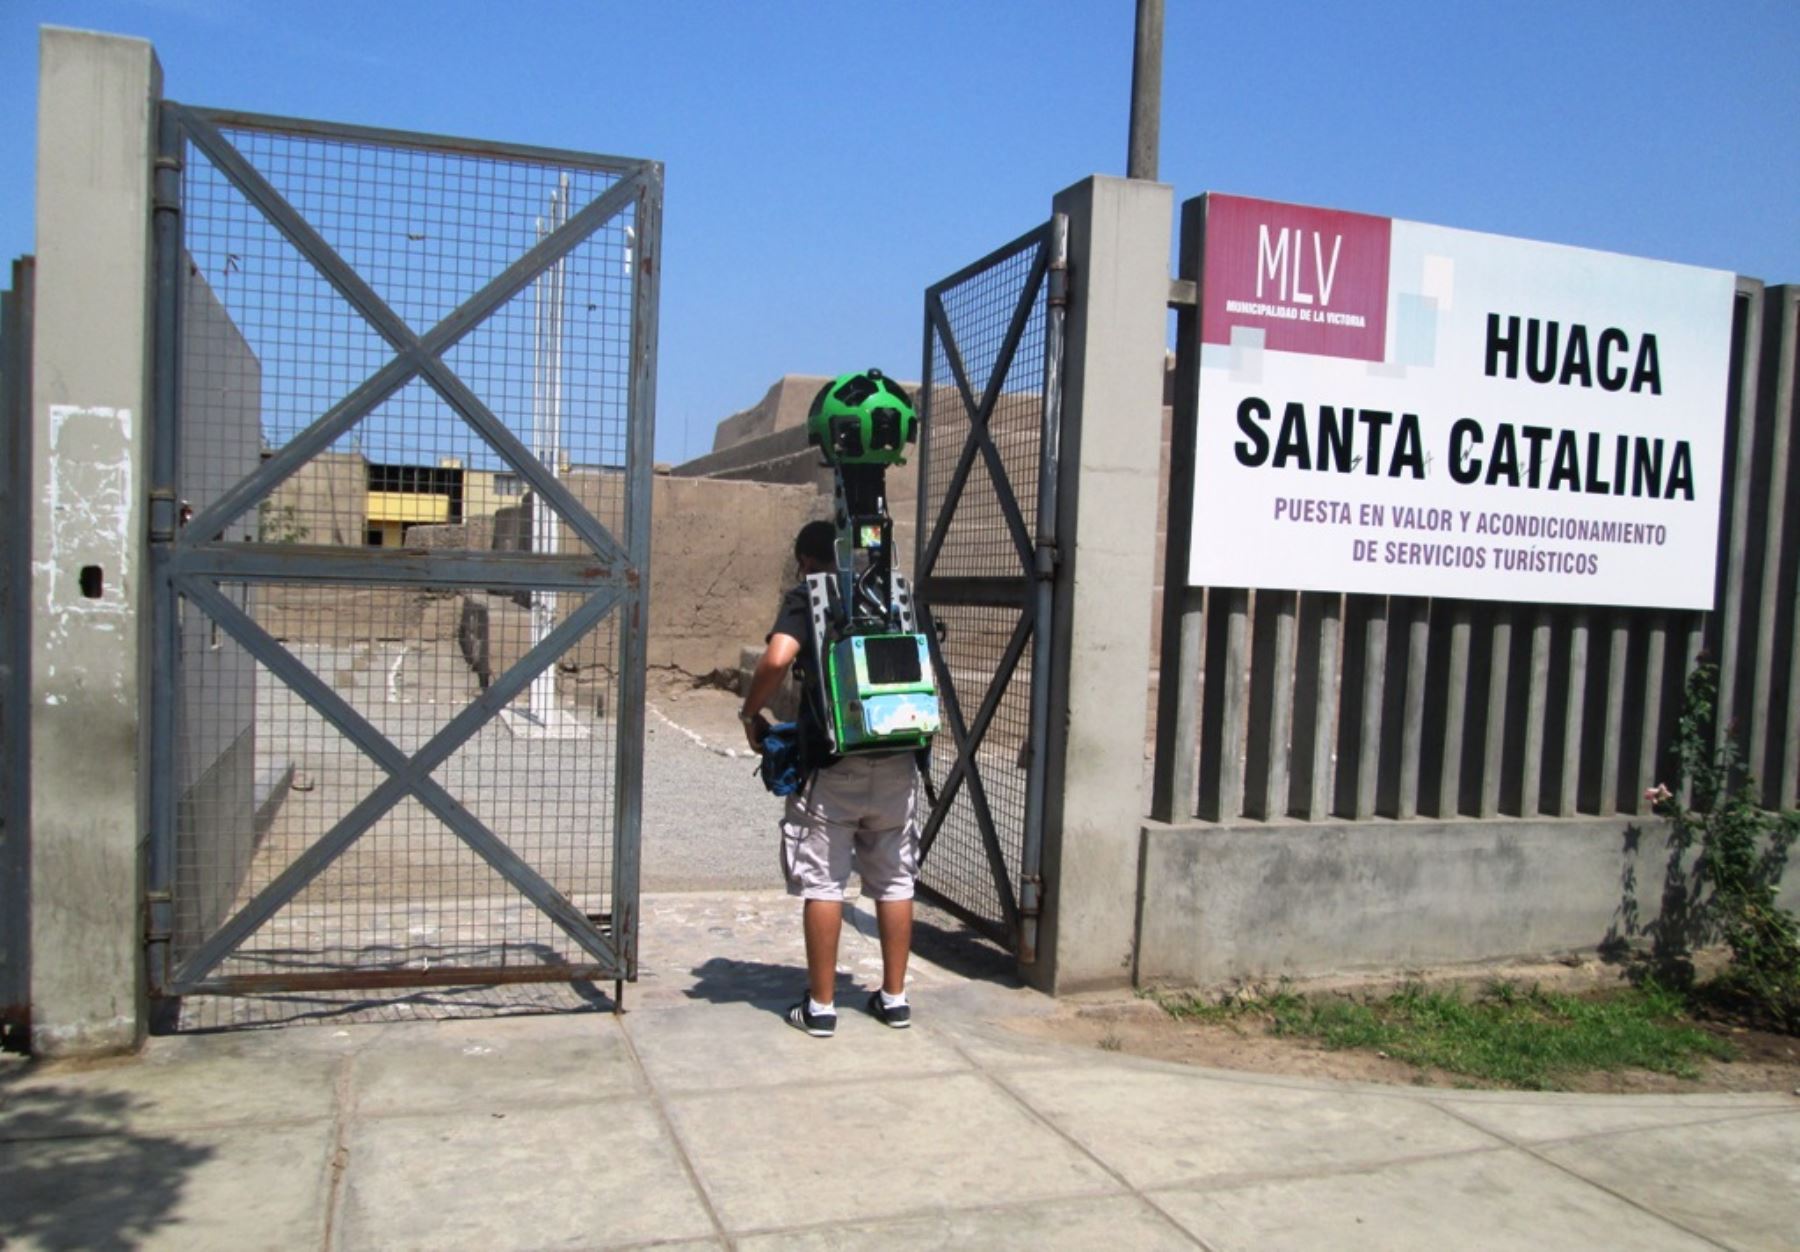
{"x": 826, "y": 162}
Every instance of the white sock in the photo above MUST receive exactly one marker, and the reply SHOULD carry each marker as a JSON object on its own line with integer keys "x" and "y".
{"x": 817, "y": 1009}
{"x": 892, "y": 1002}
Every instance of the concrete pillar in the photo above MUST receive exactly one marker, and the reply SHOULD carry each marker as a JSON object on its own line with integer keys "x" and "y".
{"x": 90, "y": 408}
{"x": 1119, "y": 237}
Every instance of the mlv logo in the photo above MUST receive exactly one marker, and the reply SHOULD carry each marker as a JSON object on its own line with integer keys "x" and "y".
{"x": 1272, "y": 262}
{"x": 1312, "y": 280}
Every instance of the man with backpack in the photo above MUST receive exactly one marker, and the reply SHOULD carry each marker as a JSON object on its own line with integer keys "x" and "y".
{"x": 855, "y": 810}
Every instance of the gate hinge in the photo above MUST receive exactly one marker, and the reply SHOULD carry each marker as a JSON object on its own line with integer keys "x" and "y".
{"x": 1031, "y": 895}
{"x": 158, "y": 927}
{"x": 1046, "y": 560}
{"x": 1184, "y": 293}
{"x": 162, "y": 515}
{"x": 166, "y": 192}
{"x": 1057, "y": 279}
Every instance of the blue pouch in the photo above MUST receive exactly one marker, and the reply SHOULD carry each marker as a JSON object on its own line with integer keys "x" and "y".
{"x": 780, "y": 768}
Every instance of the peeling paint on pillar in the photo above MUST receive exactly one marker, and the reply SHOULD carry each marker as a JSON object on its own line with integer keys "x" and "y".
{"x": 89, "y": 496}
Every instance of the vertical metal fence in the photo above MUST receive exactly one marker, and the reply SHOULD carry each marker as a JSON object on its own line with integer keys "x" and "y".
{"x": 1277, "y": 704}
{"x": 404, "y": 538}
{"x": 15, "y": 656}
{"x": 986, "y": 546}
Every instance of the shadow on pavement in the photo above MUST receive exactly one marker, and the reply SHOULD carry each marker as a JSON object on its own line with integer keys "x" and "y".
{"x": 954, "y": 947}
{"x": 767, "y": 986}
{"x": 211, "y": 1015}
{"x": 73, "y": 1176}
{"x": 948, "y": 945}
{"x": 201, "y": 1015}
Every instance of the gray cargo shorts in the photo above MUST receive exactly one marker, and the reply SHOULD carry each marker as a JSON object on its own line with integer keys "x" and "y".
{"x": 858, "y": 814}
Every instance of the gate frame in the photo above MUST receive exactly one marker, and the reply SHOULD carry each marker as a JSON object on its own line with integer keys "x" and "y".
{"x": 1095, "y": 703}
{"x": 1031, "y": 591}
{"x": 15, "y": 657}
{"x": 187, "y": 558}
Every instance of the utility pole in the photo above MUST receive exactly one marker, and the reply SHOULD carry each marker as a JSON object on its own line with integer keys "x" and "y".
{"x": 1146, "y": 92}
{"x": 546, "y": 440}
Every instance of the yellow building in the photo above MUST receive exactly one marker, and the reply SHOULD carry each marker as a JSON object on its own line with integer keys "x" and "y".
{"x": 402, "y": 496}
{"x": 486, "y": 492}
{"x": 391, "y": 512}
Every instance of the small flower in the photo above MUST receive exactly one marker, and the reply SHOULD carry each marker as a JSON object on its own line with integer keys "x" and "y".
{"x": 1658, "y": 795}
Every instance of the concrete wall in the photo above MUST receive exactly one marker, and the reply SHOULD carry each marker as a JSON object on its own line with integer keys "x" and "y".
{"x": 783, "y": 407}
{"x": 325, "y": 501}
{"x": 767, "y": 443}
{"x": 215, "y": 762}
{"x": 1259, "y": 901}
{"x": 786, "y": 459}
{"x": 782, "y": 457}
{"x": 721, "y": 554}
{"x": 90, "y": 402}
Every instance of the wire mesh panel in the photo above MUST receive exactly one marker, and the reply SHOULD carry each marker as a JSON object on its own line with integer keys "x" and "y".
{"x": 960, "y": 865}
{"x": 989, "y": 418}
{"x": 408, "y": 460}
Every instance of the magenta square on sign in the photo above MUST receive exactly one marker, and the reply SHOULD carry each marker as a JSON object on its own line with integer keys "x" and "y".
{"x": 1312, "y": 280}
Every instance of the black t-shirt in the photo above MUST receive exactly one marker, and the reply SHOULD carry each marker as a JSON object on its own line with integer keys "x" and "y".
{"x": 795, "y": 621}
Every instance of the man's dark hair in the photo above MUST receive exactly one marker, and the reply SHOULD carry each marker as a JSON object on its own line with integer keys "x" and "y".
{"x": 817, "y": 540}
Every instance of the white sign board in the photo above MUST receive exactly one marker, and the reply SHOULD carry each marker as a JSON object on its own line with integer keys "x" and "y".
{"x": 1400, "y": 409}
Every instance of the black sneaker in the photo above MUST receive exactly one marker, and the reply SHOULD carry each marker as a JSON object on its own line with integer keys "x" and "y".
{"x": 818, "y": 1025}
{"x": 899, "y": 1016}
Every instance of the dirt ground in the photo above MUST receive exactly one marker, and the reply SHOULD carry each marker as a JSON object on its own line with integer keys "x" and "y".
{"x": 1766, "y": 1062}
{"x": 706, "y": 710}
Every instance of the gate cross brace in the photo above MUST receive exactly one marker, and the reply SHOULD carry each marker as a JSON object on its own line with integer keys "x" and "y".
{"x": 979, "y": 439}
{"x": 979, "y": 442}
{"x": 966, "y": 768}
{"x": 414, "y": 355}
{"x": 407, "y": 776}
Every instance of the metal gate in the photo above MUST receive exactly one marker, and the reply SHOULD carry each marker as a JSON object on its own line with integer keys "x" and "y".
{"x": 15, "y": 656}
{"x": 400, "y": 532}
{"x": 986, "y": 569}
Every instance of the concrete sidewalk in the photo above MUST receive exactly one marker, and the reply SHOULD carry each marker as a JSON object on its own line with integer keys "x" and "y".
{"x": 698, "y": 1119}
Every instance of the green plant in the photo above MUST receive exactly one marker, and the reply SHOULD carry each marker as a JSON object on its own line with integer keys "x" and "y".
{"x": 1741, "y": 851}
{"x": 1510, "y": 1034}
{"x": 1517, "y": 1037}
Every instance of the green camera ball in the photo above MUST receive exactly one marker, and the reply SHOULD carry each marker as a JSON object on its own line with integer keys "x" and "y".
{"x": 864, "y": 418}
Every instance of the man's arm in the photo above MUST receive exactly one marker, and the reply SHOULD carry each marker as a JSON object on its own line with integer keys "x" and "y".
{"x": 771, "y": 669}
